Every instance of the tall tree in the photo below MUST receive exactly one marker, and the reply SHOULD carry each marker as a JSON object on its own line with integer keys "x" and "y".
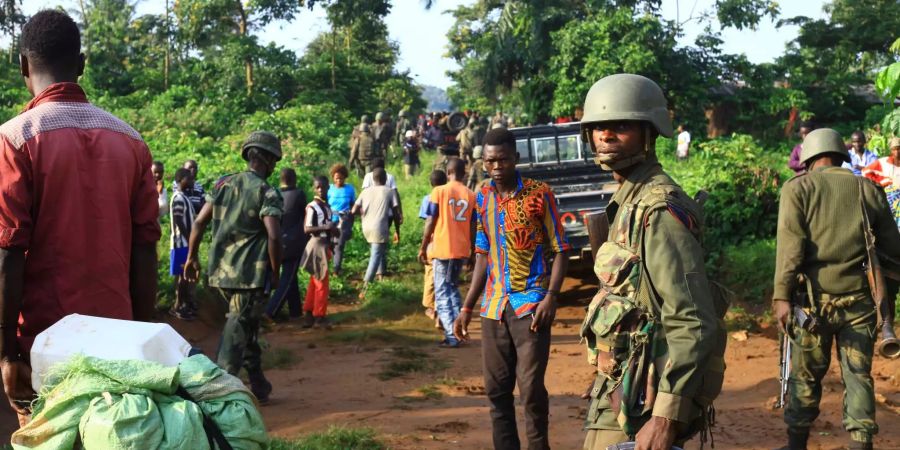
{"x": 11, "y": 18}
{"x": 832, "y": 58}
{"x": 207, "y": 24}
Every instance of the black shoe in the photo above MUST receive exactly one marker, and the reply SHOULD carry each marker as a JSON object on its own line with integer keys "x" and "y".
{"x": 322, "y": 322}
{"x": 260, "y": 387}
{"x": 308, "y": 320}
{"x": 856, "y": 445}
{"x": 796, "y": 440}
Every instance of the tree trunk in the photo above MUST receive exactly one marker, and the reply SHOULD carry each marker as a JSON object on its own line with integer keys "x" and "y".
{"x": 168, "y": 55}
{"x": 87, "y": 31}
{"x": 333, "y": 51}
{"x": 248, "y": 61}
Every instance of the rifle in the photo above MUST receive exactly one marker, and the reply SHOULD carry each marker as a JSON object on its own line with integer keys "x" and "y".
{"x": 803, "y": 320}
{"x": 785, "y": 370}
{"x": 889, "y": 346}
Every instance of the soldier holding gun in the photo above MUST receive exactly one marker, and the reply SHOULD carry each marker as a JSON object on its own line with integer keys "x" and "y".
{"x": 829, "y": 222}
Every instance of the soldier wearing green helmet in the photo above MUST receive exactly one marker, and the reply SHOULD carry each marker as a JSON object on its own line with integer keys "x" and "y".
{"x": 819, "y": 267}
{"x": 654, "y": 332}
{"x": 245, "y": 253}
{"x": 403, "y": 125}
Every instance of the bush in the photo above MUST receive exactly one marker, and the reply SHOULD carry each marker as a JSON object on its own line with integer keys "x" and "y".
{"x": 743, "y": 181}
{"x": 749, "y": 269}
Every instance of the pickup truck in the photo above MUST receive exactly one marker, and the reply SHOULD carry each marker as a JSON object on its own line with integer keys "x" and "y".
{"x": 556, "y": 155}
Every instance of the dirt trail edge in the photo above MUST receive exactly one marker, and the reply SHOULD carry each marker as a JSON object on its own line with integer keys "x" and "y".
{"x": 445, "y": 407}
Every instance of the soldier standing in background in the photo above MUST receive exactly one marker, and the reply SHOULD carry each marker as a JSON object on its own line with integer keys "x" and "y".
{"x": 466, "y": 139}
{"x": 245, "y": 254}
{"x": 653, "y": 284}
{"x": 364, "y": 150}
{"x": 387, "y": 134}
{"x": 476, "y": 168}
{"x": 354, "y": 161}
{"x": 821, "y": 221}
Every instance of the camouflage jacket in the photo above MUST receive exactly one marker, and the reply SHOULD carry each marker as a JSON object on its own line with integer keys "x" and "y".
{"x": 653, "y": 288}
{"x": 238, "y": 255}
{"x": 365, "y": 148}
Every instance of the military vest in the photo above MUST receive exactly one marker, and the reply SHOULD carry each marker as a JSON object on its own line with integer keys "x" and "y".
{"x": 367, "y": 148}
{"x": 622, "y": 329}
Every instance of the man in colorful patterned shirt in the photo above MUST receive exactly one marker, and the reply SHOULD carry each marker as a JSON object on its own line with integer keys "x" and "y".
{"x": 520, "y": 264}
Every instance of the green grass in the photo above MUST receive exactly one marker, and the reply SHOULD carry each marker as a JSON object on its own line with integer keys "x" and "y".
{"x": 405, "y": 360}
{"x": 279, "y": 358}
{"x": 335, "y": 438}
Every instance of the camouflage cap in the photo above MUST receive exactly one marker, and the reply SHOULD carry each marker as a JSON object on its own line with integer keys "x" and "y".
{"x": 895, "y": 142}
{"x": 263, "y": 140}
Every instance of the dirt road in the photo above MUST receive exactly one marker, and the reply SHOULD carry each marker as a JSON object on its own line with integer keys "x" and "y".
{"x": 445, "y": 408}
{"x": 391, "y": 378}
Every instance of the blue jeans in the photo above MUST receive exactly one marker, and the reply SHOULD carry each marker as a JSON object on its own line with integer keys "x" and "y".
{"x": 288, "y": 290}
{"x": 345, "y": 225}
{"x": 377, "y": 257}
{"x": 447, "y": 299}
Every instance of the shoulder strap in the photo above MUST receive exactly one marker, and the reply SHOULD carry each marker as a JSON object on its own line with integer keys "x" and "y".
{"x": 213, "y": 433}
{"x": 873, "y": 267}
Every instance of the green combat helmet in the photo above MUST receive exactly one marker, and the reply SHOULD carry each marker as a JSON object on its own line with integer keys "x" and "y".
{"x": 821, "y": 141}
{"x": 402, "y": 113}
{"x": 379, "y": 116}
{"x": 263, "y": 140}
{"x": 364, "y": 118}
{"x": 625, "y": 96}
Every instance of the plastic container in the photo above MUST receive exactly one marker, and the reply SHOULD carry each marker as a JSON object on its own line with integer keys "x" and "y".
{"x": 107, "y": 339}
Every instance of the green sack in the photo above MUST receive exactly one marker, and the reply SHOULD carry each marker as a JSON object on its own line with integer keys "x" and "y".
{"x": 133, "y": 405}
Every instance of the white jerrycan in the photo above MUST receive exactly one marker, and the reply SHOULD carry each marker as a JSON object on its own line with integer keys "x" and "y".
{"x": 106, "y": 339}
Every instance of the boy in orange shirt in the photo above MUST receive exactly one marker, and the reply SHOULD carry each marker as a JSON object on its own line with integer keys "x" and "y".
{"x": 450, "y": 229}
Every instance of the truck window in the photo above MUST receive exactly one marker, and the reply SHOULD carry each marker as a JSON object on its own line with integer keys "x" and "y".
{"x": 544, "y": 149}
{"x": 569, "y": 148}
{"x": 522, "y": 149}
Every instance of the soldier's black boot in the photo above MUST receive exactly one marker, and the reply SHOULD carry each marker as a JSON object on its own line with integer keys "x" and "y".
{"x": 260, "y": 386}
{"x": 797, "y": 439}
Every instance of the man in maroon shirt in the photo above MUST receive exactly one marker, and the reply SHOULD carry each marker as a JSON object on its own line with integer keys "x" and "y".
{"x": 78, "y": 206}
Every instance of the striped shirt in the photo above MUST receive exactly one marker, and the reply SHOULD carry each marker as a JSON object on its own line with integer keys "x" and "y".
{"x": 182, "y": 213}
{"x": 519, "y": 235}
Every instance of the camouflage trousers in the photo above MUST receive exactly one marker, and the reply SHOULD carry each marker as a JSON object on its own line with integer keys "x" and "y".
{"x": 239, "y": 346}
{"x": 476, "y": 174}
{"x": 851, "y": 324}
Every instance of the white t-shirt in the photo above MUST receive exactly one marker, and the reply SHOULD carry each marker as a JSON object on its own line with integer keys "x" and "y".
{"x": 684, "y": 142}
{"x": 368, "y": 181}
{"x": 376, "y": 204}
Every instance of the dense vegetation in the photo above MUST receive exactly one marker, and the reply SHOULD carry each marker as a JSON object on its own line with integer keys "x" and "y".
{"x": 196, "y": 80}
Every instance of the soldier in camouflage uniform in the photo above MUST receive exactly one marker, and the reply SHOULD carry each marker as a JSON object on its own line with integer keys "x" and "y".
{"x": 403, "y": 125}
{"x": 245, "y": 253}
{"x": 354, "y": 161}
{"x": 382, "y": 132}
{"x": 466, "y": 139}
{"x": 364, "y": 150}
{"x": 653, "y": 331}
{"x": 476, "y": 168}
{"x": 820, "y": 236}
